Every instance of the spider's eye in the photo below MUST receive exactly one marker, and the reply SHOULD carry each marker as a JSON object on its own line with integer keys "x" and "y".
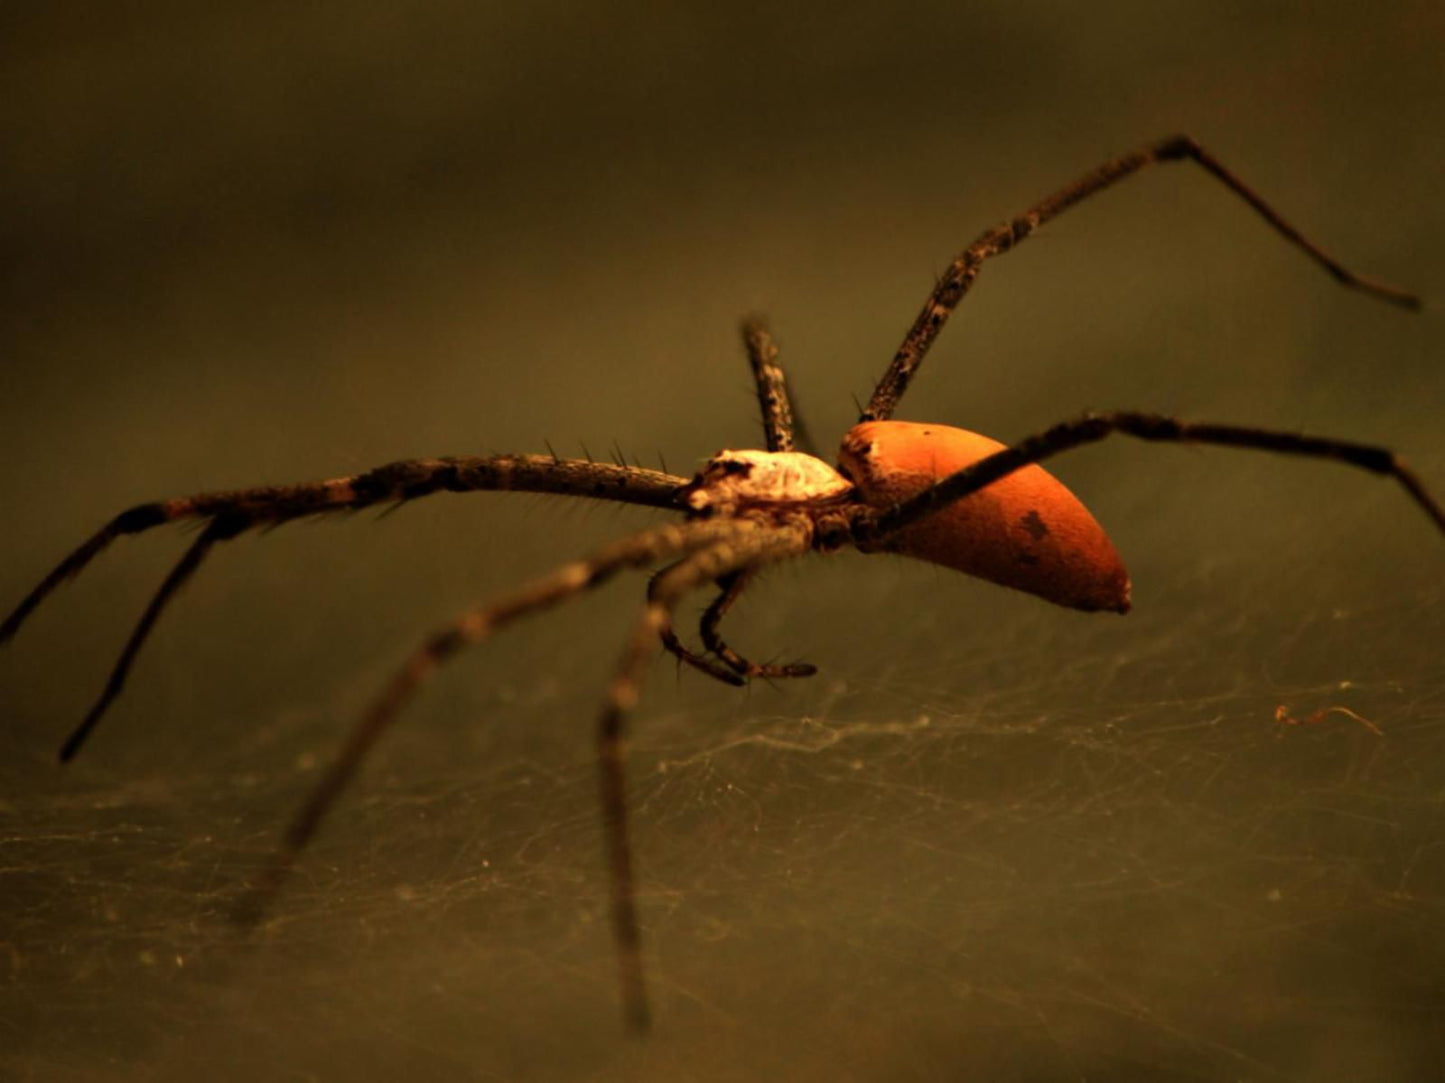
{"x": 736, "y": 468}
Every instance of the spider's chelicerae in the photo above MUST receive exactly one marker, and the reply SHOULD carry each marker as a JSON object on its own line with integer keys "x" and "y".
{"x": 929, "y": 491}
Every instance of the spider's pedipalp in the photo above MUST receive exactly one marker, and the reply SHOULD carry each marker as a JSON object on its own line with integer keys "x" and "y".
{"x": 733, "y": 585}
{"x": 674, "y": 646}
{"x": 728, "y": 666}
{"x": 956, "y": 281}
{"x": 873, "y": 530}
{"x": 637, "y": 550}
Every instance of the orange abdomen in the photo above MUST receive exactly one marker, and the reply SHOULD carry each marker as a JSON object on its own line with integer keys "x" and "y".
{"x": 1025, "y": 530}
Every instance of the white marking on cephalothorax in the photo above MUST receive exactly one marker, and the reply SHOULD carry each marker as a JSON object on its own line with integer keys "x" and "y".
{"x": 731, "y": 478}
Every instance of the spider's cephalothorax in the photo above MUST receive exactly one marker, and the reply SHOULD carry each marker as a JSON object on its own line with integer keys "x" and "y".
{"x": 940, "y": 494}
{"x": 732, "y": 480}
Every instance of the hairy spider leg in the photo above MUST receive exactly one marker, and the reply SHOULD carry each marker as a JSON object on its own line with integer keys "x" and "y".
{"x": 219, "y": 529}
{"x": 779, "y": 424}
{"x": 965, "y": 268}
{"x": 733, "y": 586}
{"x": 717, "y": 547}
{"x": 872, "y": 528}
{"x": 637, "y": 550}
{"x": 730, "y": 667}
{"x": 234, "y": 511}
{"x": 674, "y": 646}
{"x": 750, "y": 543}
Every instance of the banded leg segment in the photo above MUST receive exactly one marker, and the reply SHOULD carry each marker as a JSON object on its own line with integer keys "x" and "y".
{"x": 749, "y": 545}
{"x": 960, "y": 275}
{"x": 782, "y": 431}
{"x": 394, "y": 482}
{"x": 871, "y": 529}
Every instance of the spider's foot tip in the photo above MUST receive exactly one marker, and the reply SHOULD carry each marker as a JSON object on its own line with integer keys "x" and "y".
{"x": 1412, "y": 302}
{"x": 791, "y": 669}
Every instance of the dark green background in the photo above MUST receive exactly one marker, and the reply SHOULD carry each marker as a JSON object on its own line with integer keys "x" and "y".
{"x": 269, "y": 242}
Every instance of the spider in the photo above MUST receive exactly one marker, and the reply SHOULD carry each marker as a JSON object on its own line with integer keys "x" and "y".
{"x": 929, "y": 491}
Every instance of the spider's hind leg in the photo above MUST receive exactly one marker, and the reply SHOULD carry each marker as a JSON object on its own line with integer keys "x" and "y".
{"x": 1155, "y": 428}
{"x": 959, "y": 278}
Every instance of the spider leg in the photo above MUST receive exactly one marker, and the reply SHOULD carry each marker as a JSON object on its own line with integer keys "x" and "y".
{"x": 871, "y": 530}
{"x": 733, "y": 585}
{"x": 733, "y": 668}
{"x": 395, "y": 482}
{"x": 637, "y": 550}
{"x": 965, "y": 268}
{"x": 750, "y": 545}
{"x": 219, "y": 529}
{"x": 719, "y": 545}
{"x": 679, "y": 650}
{"x": 781, "y": 429}
{"x": 232, "y": 513}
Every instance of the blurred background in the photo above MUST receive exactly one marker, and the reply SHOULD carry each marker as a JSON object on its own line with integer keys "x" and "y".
{"x": 262, "y": 243}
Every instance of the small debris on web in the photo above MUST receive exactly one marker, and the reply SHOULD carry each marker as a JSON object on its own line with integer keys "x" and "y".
{"x": 1284, "y": 718}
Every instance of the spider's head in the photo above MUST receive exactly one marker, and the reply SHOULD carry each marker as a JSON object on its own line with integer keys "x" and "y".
{"x": 733, "y": 479}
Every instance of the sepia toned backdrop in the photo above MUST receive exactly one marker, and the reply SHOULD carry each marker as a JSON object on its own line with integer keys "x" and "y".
{"x": 252, "y": 243}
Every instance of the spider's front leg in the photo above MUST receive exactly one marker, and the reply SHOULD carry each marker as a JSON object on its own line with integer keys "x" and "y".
{"x": 233, "y": 512}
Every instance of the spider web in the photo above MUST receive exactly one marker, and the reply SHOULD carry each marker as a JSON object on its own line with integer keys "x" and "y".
{"x": 1035, "y": 842}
